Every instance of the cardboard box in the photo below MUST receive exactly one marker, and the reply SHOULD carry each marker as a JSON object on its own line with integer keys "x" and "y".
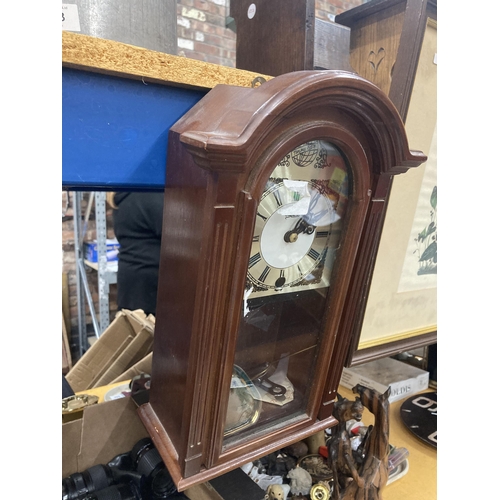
{"x": 142, "y": 366}
{"x": 67, "y": 362}
{"x": 127, "y": 340}
{"x": 104, "y": 431}
{"x": 404, "y": 379}
{"x": 139, "y": 347}
{"x": 112, "y": 250}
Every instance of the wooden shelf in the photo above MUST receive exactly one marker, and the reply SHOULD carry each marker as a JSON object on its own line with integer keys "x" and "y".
{"x": 120, "y": 141}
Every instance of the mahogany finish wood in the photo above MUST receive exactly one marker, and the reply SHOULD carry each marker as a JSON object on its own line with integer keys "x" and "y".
{"x": 386, "y": 38}
{"x": 220, "y": 156}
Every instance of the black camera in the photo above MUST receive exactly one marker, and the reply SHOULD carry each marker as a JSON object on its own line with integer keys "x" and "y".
{"x": 125, "y": 491}
{"x": 78, "y": 485}
{"x": 156, "y": 482}
{"x": 137, "y": 475}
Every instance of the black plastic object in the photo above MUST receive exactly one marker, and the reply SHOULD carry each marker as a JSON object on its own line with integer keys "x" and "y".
{"x": 137, "y": 475}
{"x": 419, "y": 414}
{"x": 139, "y": 388}
{"x": 237, "y": 484}
{"x": 81, "y": 484}
{"x": 156, "y": 482}
{"x": 126, "y": 491}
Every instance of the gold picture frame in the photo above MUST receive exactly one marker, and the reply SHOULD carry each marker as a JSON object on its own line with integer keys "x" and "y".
{"x": 393, "y": 43}
{"x": 402, "y": 302}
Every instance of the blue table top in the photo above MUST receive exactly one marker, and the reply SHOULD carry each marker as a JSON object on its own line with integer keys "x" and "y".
{"x": 115, "y": 130}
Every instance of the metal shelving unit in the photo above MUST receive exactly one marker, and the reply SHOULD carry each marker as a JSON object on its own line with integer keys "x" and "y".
{"x": 128, "y": 153}
{"x": 105, "y": 276}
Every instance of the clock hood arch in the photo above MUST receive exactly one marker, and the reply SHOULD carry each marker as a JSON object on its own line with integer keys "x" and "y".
{"x": 242, "y": 121}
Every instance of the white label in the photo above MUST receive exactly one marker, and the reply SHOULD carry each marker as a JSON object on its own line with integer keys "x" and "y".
{"x": 251, "y": 11}
{"x": 70, "y": 19}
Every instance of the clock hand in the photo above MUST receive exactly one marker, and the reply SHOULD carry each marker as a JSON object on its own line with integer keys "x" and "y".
{"x": 300, "y": 227}
{"x": 276, "y": 390}
{"x": 307, "y": 223}
{"x": 262, "y": 380}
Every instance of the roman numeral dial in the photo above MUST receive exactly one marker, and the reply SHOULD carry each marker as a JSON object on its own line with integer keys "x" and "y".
{"x": 292, "y": 245}
{"x": 288, "y": 251}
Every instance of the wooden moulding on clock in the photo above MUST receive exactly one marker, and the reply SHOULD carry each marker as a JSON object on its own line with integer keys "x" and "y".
{"x": 220, "y": 155}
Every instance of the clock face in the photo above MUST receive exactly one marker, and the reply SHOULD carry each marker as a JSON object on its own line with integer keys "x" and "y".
{"x": 298, "y": 222}
{"x": 296, "y": 235}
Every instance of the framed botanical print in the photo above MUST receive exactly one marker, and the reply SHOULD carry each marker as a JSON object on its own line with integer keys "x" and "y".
{"x": 399, "y": 308}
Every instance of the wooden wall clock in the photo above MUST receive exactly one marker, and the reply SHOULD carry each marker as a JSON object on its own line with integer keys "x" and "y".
{"x": 267, "y": 192}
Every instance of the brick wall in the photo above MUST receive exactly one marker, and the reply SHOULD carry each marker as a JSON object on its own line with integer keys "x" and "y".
{"x": 202, "y": 32}
{"x": 202, "y": 35}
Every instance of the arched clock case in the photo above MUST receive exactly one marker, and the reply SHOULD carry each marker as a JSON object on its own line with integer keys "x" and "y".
{"x": 268, "y": 201}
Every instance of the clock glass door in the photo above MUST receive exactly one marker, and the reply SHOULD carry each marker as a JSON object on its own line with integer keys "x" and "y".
{"x": 290, "y": 271}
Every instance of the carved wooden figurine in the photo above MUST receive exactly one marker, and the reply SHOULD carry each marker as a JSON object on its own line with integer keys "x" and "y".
{"x": 372, "y": 474}
{"x": 340, "y": 458}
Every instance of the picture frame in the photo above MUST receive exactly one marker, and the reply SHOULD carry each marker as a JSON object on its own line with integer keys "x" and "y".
{"x": 394, "y": 44}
